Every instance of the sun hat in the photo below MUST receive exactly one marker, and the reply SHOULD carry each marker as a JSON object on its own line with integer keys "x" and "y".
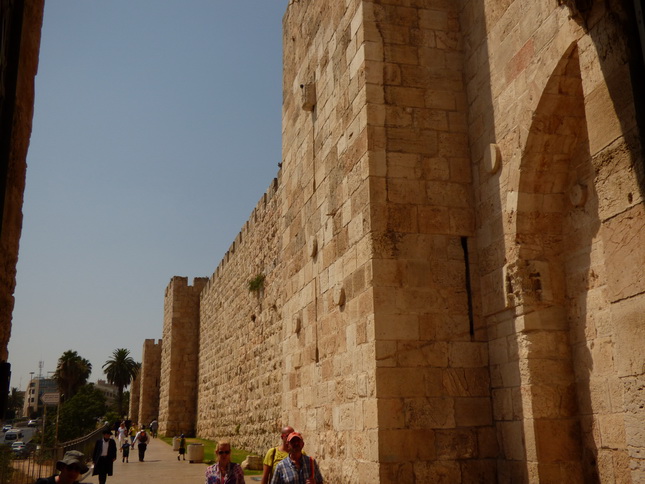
{"x": 295, "y": 435}
{"x": 72, "y": 457}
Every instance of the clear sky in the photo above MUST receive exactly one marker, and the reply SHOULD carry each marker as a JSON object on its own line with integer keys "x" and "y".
{"x": 156, "y": 131}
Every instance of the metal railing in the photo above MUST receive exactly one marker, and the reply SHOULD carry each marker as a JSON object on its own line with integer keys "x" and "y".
{"x": 41, "y": 462}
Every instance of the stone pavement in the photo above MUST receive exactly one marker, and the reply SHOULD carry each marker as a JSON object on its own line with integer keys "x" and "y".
{"x": 160, "y": 467}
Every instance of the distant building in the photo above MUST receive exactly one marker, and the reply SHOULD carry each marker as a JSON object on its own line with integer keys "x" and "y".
{"x": 110, "y": 391}
{"x": 35, "y": 390}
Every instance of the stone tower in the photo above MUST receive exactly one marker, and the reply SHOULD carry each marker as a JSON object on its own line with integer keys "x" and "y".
{"x": 135, "y": 393}
{"x": 179, "y": 355}
{"x": 149, "y": 382}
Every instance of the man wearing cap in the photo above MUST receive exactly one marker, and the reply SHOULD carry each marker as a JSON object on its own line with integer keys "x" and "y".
{"x": 297, "y": 468}
{"x": 275, "y": 455}
{"x": 104, "y": 456}
{"x": 71, "y": 467}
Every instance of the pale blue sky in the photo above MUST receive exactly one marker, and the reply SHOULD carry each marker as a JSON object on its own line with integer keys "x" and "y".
{"x": 156, "y": 131}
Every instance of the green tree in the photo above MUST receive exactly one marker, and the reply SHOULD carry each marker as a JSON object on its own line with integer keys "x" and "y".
{"x": 80, "y": 414}
{"x": 15, "y": 402}
{"x": 71, "y": 373}
{"x": 120, "y": 370}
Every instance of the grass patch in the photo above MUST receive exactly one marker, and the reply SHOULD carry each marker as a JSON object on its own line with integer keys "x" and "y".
{"x": 237, "y": 455}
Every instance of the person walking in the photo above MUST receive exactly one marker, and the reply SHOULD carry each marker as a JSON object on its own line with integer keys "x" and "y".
{"x": 141, "y": 441}
{"x": 104, "y": 456}
{"x": 125, "y": 450}
{"x": 275, "y": 455}
{"x": 182, "y": 447}
{"x": 297, "y": 468}
{"x": 224, "y": 471}
{"x": 154, "y": 426}
{"x": 122, "y": 435}
{"x": 133, "y": 433}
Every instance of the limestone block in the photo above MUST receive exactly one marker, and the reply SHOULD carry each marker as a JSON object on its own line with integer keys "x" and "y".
{"x": 488, "y": 445}
{"x": 400, "y": 382}
{"x": 456, "y": 444}
{"x": 557, "y": 440}
{"x": 625, "y": 253}
{"x": 463, "y": 382}
{"x": 433, "y": 413}
{"x": 512, "y": 440}
{"x": 437, "y": 471}
{"x": 603, "y": 122}
{"x": 628, "y": 317}
{"x": 468, "y": 355}
{"x": 397, "y": 327}
{"x": 403, "y": 445}
{"x": 473, "y": 412}
{"x": 479, "y": 471}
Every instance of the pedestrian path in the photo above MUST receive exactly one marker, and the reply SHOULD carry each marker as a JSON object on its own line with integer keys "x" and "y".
{"x": 159, "y": 467}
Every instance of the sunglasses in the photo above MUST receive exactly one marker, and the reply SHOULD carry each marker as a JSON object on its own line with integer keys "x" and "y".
{"x": 74, "y": 468}
{"x": 221, "y": 452}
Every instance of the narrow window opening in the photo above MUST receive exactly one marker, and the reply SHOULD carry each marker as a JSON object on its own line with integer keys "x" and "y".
{"x": 469, "y": 291}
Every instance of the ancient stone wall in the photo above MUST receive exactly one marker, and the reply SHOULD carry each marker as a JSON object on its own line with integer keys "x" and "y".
{"x": 179, "y": 357}
{"x": 432, "y": 379}
{"x": 329, "y": 389}
{"x": 149, "y": 382}
{"x": 444, "y": 281}
{"x": 19, "y": 49}
{"x": 241, "y": 363}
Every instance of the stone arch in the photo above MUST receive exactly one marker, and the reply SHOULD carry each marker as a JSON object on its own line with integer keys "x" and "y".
{"x": 555, "y": 220}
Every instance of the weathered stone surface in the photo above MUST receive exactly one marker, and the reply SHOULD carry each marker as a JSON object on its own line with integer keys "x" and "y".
{"x": 422, "y": 317}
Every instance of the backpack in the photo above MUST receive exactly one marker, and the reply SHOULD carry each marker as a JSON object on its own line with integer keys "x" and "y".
{"x": 143, "y": 438}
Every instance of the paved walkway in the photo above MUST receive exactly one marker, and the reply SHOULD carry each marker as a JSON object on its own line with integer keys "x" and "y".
{"x": 160, "y": 467}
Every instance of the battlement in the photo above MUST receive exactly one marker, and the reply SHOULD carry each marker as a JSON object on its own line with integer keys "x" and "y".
{"x": 259, "y": 212}
{"x": 180, "y": 283}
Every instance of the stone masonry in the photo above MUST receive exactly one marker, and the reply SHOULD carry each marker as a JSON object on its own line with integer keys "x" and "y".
{"x": 21, "y": 27}
{"x": 444, "y": 283}
{"x": 135, "y": 394}
{"x": 149, "y": 381}
{"x": 179, "y": 356}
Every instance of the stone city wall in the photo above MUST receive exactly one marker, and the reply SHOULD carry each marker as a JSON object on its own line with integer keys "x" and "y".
{"x": 450, "y": 257}
{"x": 329, "y": 388}
{"x": 241, "y": 363}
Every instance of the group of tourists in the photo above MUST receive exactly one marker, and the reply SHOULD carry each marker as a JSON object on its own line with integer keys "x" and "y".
{"x": 284, "y": 464}
{"x": 128, "y": 436}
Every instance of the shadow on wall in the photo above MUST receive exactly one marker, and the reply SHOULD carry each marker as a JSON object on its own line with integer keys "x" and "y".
{"x": 551, "y": 266}
{"x": 613, "y": 28}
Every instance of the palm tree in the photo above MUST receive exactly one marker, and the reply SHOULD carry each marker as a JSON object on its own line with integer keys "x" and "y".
{"x": 71, "y": 373}
{"x": 120, "y": 370}
{"x": 15, "y": 401}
